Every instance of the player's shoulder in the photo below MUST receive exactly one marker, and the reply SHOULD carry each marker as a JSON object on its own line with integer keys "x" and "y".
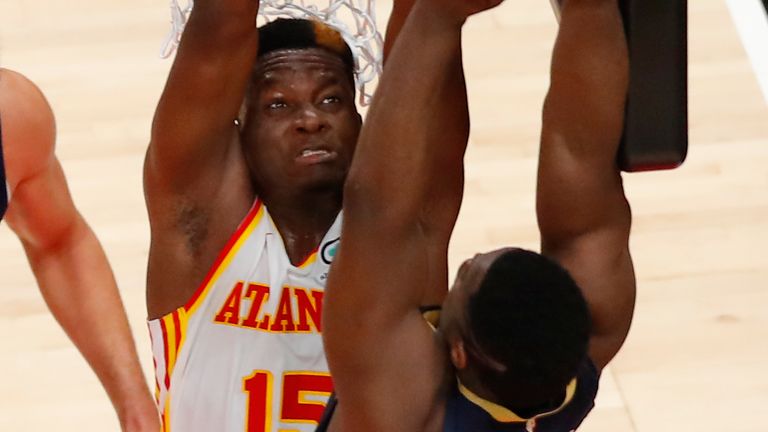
{"x": 18, "y": 87}
{"x": 29, "y": 128}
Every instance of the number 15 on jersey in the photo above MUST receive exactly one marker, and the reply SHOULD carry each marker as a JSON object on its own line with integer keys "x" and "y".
{"x": 294, "y": 390}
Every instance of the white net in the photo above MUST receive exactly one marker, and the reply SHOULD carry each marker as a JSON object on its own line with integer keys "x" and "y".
{"x": 354, "y": 19}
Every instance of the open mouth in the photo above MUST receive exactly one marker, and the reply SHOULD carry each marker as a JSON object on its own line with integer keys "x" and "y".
{"x": 315, "y": 155}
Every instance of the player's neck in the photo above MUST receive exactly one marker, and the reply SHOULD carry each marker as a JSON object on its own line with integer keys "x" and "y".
{"x": 303, "y": 220}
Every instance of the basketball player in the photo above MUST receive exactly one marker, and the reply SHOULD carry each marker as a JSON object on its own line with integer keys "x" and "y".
{"x": 70, "y": 266}
{"x": 251, "y": 143}
{"x": 514, "y": 349}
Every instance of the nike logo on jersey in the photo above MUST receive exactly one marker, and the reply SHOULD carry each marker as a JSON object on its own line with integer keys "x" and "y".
{"x": 299, "y": 310}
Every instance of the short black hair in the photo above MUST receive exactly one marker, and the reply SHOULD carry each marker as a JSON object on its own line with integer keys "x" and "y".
{"x": 529, "y": 315}
{"x": 296, "y": 33}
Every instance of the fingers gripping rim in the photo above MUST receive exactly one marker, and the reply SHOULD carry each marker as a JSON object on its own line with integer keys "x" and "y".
{"x": 355, "y": 20}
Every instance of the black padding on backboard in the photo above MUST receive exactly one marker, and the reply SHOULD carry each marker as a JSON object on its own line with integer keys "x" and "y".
{"x": 656, "y": 129}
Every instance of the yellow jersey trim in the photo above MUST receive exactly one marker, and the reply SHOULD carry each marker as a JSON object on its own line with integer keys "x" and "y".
{"x": 221, "y": 264}
{"x": 504, "y": 415}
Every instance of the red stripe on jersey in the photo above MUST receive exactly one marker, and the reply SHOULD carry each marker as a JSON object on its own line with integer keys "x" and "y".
{"x": 177, "y": 326}
{"x": 243, "y": 225}
{"x": 165, "y": 353}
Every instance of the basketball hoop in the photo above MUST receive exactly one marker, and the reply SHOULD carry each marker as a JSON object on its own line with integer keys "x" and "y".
{"x": 355, "y": 20}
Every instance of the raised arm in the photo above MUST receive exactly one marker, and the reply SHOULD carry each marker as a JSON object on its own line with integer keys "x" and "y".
{"x": 583, "y": 215}
{"x": 401, "y": 201}
{"x": 196, "y": 182}
{"x": 194, "y": 146}
{"x": 68, "y": 262}
{"x": 406, "y": 178}
{"x": 400, "y": 11}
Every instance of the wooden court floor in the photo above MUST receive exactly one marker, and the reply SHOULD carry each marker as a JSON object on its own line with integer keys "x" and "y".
{"x": 696, "y": 358}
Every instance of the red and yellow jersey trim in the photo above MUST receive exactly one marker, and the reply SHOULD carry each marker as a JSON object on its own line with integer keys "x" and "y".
{"x": 308, "y": 261}
{"x": 227, "y": 254}
{"x": 174, "y": 325}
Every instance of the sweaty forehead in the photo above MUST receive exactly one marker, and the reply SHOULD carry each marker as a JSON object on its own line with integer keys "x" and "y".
{"x": 283, "y": 64}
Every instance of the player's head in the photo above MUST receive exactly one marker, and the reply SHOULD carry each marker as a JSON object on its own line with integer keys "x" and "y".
{"x": 518, "y": 327}
{"x": 300, "y": 123}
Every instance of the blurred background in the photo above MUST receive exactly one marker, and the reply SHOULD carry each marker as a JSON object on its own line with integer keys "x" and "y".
{"x": 697, "y": 356}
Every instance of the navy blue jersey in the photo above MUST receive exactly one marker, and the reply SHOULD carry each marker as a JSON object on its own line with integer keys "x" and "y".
{"x": 464, "y": 415}
{"x": 466, "y": 412}
{"x": 3, "y": 190}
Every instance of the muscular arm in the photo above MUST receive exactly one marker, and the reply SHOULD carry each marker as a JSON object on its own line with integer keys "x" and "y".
{"x": 583, "y": 215}
{"x": 68, "y": 262}
{"x": 194, "y": 121}
{"x": 401, "y": 201}
{"x": 400, "y": 11}
{"x": 196, "y": 183}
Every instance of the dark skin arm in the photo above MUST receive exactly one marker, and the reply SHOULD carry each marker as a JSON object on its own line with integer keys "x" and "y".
{"x": 68, "y": 262}
{"x": 583, "y": 215}
{"x": 402, "y": 195}
{"x": 196, "y": 182}
{"x": 400, "y": 11}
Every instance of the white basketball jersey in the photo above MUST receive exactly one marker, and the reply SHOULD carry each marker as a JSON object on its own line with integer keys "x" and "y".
{"x": 245, "y": 354}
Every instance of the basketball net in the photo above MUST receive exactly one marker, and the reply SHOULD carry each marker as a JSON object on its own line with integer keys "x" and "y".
{"x": 355, "y": 20}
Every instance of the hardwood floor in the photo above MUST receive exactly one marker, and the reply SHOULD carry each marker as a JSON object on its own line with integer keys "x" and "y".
{"x": 696, "y": 358}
